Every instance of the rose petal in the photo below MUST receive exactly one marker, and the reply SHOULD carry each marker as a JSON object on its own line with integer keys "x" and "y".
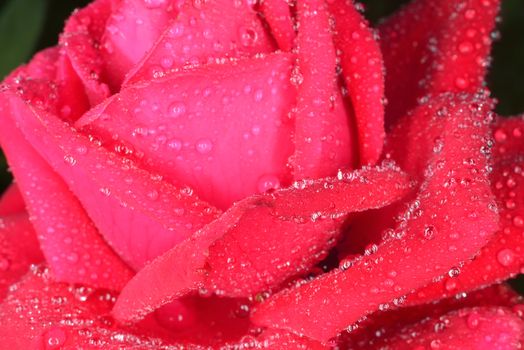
{"x": 135, "y": 302}
{"x": 209, "y": 321}
{"x": 387, "y": 323}
{"x": 80, "y": 43}
{"x": 11, "y": 201}
{"x": 468, "y": 329}
{"x": 277, "y": 14}
{"x": 18, "y": 249}
{"x": 447, "y": 223}
{"x": 138, "y": 214}
{"x": 245, "y": 107}
{"x": 131, "y": 31}
{"x": 49, "y": 82}
{"x": 276, "y": 339}
{"x": 213, "y": 257}
{"x": 503, "y": 256}
{"x": 204, "y": 32}
{"x": 71, "y": 244}
{"x": 323, "y": 131}
{"x": 40, "y": 314}
{"x": 363, "y": 72}
{"x": 445, "y": 44}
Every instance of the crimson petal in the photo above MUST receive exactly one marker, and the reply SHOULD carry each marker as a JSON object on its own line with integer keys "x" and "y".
{"x": 387, "y": 323}
{"x": 213, "y": 257}
{"x": 138, "y": 214}
{"x": 79, "y": 42}
{"x": 468, "y": 329}
{"x": 11, "y": 201}
{"x": 204, "y": 32}
{"x": 18, "y": 249}
{"x": 40, "y": 314}
{"x": 503, "y": 256}
{"x": 444, "y": 43}
{"x": 244, "y": 104}
{"x": 277, "y": 14}
{"x": 449, "y": 221}
{"x": 323, "y": 131}
{"x": 363, "y": 72}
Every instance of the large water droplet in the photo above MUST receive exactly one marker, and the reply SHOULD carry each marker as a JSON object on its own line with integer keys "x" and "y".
{"x": 506, "y": 257}
{"x": 204, "y": 146}
{"x": 176, "y": 109}
{"x": 54, "y": 338}
{"x": 268, "y": 182}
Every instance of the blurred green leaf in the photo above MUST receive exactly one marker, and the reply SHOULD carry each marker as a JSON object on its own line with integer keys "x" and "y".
{"x": 21, "y": 23}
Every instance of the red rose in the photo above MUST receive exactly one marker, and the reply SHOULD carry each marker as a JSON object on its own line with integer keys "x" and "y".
{"x": 220, "y": 174}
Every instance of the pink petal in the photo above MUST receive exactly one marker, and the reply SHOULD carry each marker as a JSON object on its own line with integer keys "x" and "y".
{"x": 205, "y": 126}
{"x": 130, "y": 31}
{"x": 71, "y": 244}
{"x": 204, "y": 32}
{"x": 137, "y": 213}
{"x": 465, "y": 329}
{"x": 323, "y": 131}
{"x": 449, "y": 221}
{"x": 445, "y": 46}
{"x": 277, "y": 14}
{"x": 223, "y": 258}
{"x": 363, "y": 72}
{"x": 79, "y": 42}
{"x": 503, "y": 256}
{"x": 11, "y": 201}
{"x": 18, "y": 249}
{"x": 49, "y": 82}
{"x": 40, "y": 314}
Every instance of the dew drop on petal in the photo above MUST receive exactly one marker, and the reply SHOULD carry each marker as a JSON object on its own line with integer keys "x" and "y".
{"x": 153, "y": 4}
{"x": 473, "y": 321}
{"x": 54, "y": 338}
{"x": 268, "y": 182}
{"x": 506, "y": 257}
{"x": 176, "y": 109}
{"x": 204, "y": 146}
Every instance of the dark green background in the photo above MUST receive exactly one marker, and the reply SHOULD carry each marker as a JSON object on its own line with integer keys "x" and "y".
{"x": 27, "y": 26}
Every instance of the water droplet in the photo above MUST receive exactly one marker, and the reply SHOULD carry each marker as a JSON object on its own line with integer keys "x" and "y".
{"x": 518, "y": 221}
{"x": 506, "y": 257}
{"x": 429, "y": 232}
{"x": 105, "y": 191}
{"x": 500, "y": 135}
{"x": 82, "y": 150}
{"x": 268, "y": 182}
{"x": 454, "y": 272}
{"x": 465, "y": 47}
{"x": 69, "y": 159}
{"x": 204, "y": 146}
{"x": 153, "y": 195}
{"x": 248, "y": 36}
{"x": 5, "y": 264}
{"x": 473, "y": 321}
{"x": 176, "y": 109}
{"x": 176, "y": 30}
{"x": 54, "y": 338}
{"x": 461, "y": 83}
{"x": 175, "y": 144}
{"x": 450, "y": 285}
{"x": 153, "y": 4}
